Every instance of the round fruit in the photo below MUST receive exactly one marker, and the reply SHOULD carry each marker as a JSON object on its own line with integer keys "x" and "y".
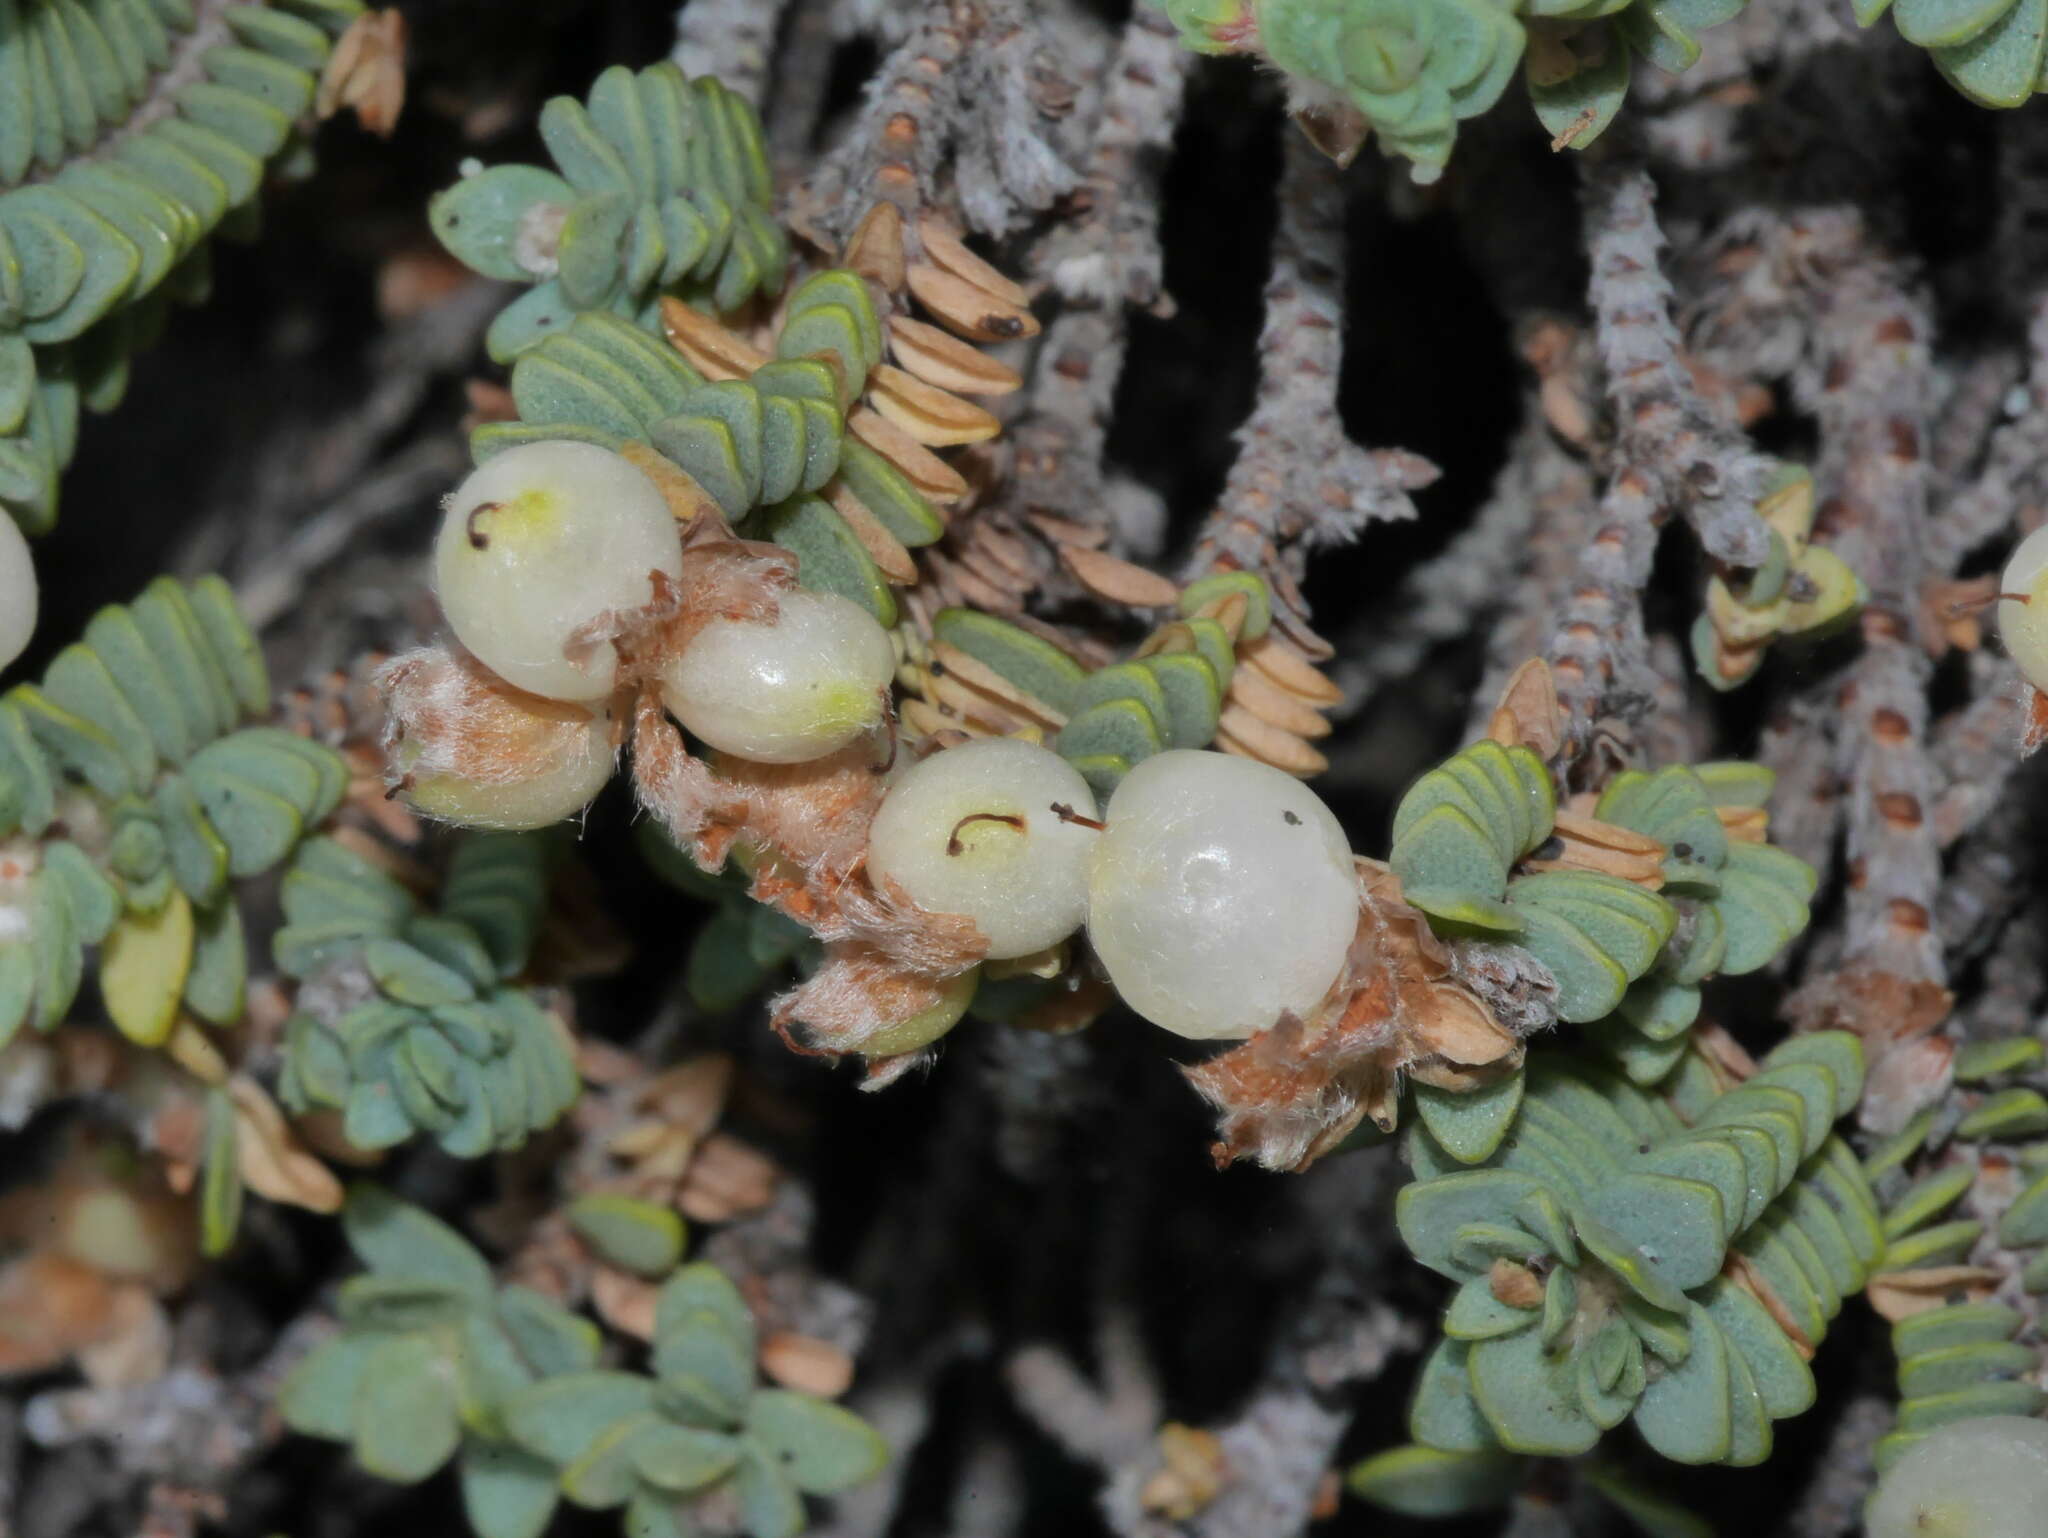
{"x": 540, "y": 541}
{"x": 473, "y": 750}
{"x": 788, "y": 690}
{"x": 973, "y": 831}
{"x": 17, "y": 591}
{"x": 1222, "y": 894}
{"x": 1983, "y": 1478}
{"x": 2023, "y": 618}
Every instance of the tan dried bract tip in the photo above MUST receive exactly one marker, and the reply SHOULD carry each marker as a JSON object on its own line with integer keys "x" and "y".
{"x": 943, "y": 360}
{"x": 1290, "y": 670}
{"x": 710, "y": 348}
{"x": 1592, "y": 845}
{"x": 1899, "y": 1295}
{"x": 1239, "y": 731}
{"x": 366, "y": 72}
{"x": 946, "y": 248}
{"x": 875, "y": 249}
{"x": 1256, "y": 692}
{"x": 1117, "y": 580}
{"x": 969, "y": 310}
{"x": 939, "y": 481}
{"x": 934, "y": 417}
{"x": 1528, "y": 714}
{"x": 888, "y": 553}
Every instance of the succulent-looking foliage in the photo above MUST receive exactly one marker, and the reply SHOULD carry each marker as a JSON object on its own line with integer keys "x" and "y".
{"x": 433, "y": 1362}
{"x": 1739, "y": 901}
{"x": 700, "y": 1423}
{"x": 129, "y": 134}
{"x": 450, "y": 1046}
{"x": 1621, "y": 1255}
{"x": 663, "y": 188}
{"x": 1801, "y": 592}
{"x": 1409, "y": 71}
{"x": 428, "y": 1354}
{"x": 1947, "y": 1198}
{"x": 1992, "y": 51}
{"x": 128, "y": 746}
{"x": 770, "y": 451}
{"x": 996, "y": 676}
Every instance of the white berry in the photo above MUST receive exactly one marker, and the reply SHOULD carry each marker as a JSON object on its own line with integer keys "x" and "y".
{"x": 1983, "y": 1478}
{"x": 17, "y": 591}
{"x": 2023, "y": 619}
{"x": 1222, "y": 894}
{"x": 536, "y": 544}
{"x": 784, "y": 691}
{"x": 972, "y": 831}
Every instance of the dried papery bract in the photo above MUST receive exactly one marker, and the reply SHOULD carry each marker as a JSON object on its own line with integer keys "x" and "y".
{"x": 862, "y": 1000}
{"x": 1290, "y": 1095}
{"x": 466, "y": 746}
{"x": 548, "y": 552}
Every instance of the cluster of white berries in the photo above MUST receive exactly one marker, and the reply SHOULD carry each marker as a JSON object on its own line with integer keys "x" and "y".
{"x": 1981, "y": 1478}
{"x": 17, "y": 592}
{"x": 548, "y": 550}
{"x": 1218, "y": 892}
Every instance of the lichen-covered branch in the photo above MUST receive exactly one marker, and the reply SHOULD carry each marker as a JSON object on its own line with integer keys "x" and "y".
{"x": 732, "y": 39}
{"x": 1299, "y": 481}
{"x": 969, "y": 91}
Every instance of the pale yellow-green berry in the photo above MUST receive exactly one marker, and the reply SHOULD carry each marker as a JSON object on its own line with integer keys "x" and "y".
{"x": 538, "y": 543}
{"x": 1222, "y": 894}
{"x": 2023, "y": 619}
{"x": 784, "y": 691}
{"x": 973, "y": 831}
{"x": 1982, "y": 1478}
{"x": 17, "y": 591}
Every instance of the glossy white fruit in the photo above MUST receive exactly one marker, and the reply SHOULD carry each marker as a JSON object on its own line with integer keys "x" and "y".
{"x": 972, "y": 831}
{"x": 788, "y": 691}
{"x": 2023, "y": 627}
{"x": 1222, "y": 894}
{"x": 538, "y": 542}
{"x": 17, "y": 591}
{"x": 1984, "y": 1478}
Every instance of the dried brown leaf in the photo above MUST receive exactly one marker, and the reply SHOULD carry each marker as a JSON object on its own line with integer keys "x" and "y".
{"x": 1289, "y": 670}
{"x": 1528, "y": 714}
{"x": 806, "y": 1364}
{"x": 934, "y": 417}
{"x": 967, "y": 309}
{"x": 941, "y": 359}
{"x": 366, "y": 72}
{"x": 875, "y": 249}
{"x": 711, "y": 349}
{"x": 1256, "y": 692}
{"x": 1116, "y": 580}
{"x": 1239, "y": 731}
{"x": 1899, "y": 1295}
{"x": 930, "y": 474}
{"x": 946, "y": 248}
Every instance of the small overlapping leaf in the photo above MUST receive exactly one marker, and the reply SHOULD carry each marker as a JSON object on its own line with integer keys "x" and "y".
{"x": 663, "y": 185}
{"x": 701, "y": 1423}
{"x": 1461, "y": 827}
{"x": 1591, "y": 1247}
